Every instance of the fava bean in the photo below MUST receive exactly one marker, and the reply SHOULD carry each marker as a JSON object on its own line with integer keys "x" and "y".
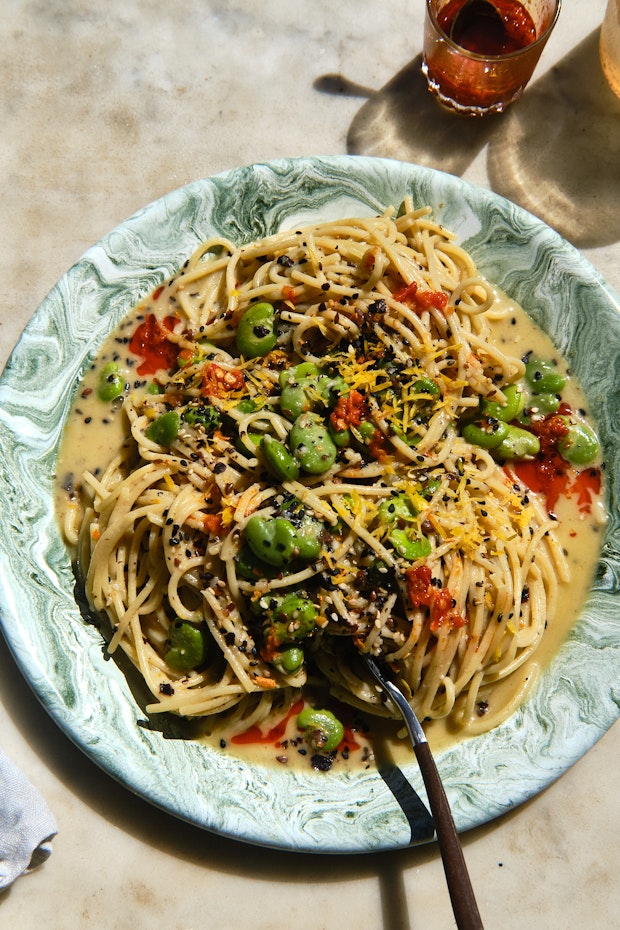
{"x": 292, "y": 618}
{"x": 367, "y": 430}
{"x": 202, "y": 415}
{"x": 430, "y": 488}
{"x": 256, "y": 332}
{"x": 341, "y": 437}
{"x": 251, "y": 568}
{"x": 247, "y": 405}
{"x": 544, "y": 376}
{"x": 580, "y": 446}
{"x": 290, "y": 660}
{"x": 311, "y": 444}
{"x": 111, "y": 382}
{"x": 248, "y": 443}
{"x": 324, "y": 730}
{"x": 486, "y": 432}
{"x": 279, "y": 459}
{"x": 410, "y": 549}
{"x": 504, "y": 412}
{"x": 188, "y": 646}
{"x": 295, "y": 400}
{"x": 278, "y": 542}
{"x": 426, "y": 386}
{"x": 164, "y": 429}
{"x": 396, "y": 508}
{"x": 273, "y": 541}
{"x": 542, "y": 404}
{"x": 294, "y": 374}
{"x": 310, "y": 391}
{"x": 518, "y": 444}
{"x": 310, "y": 534}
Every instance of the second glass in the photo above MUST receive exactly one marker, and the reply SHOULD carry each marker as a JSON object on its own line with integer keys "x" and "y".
{"x": 490, "y": 69}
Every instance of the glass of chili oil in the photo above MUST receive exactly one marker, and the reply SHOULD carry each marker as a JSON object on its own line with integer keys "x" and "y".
{"x": 479, "y": 55}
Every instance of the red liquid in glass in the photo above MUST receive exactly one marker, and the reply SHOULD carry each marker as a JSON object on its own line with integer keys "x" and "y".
{"x": 498, "y": 78}
{"x": 483, "y": 34}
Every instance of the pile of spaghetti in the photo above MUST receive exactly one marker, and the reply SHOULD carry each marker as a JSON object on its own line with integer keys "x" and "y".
{"x": 295, "y": 487}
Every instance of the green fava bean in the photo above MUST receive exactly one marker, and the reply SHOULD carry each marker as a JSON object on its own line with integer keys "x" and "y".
{"x": 164, "y": 429}
{"x": 367, "y": 430}
{"x": 330, "y": 387}
{"x": 290, "y": 660}
{"x": 295, "y": 400}
{"x": 341, "y": 437}
{"x": 544, "y": 376}
{"x": 188, "y": 647}
{"x": 396, "y": 508}
{"x": 309, "y": 538}
{"x": 111, "y": 382}
{"x": 312, "y": 445}
{"x": 426, "y": 386}
{"x": 580, "y": 446}
{"x": 248, "y": 443}
{"x": 279, "y": 459}
{"x": 251, "y": 568}
{"x": 410, "y": 549}
{"x": 487, "y": 432}
{"x": 256, "y": 332}
{"x": 507, "y": 412}
{"x": 324, "y": 731}
{"x": 430, "y": 488}
{"x": 247, "y": 405}
{"x": 543, "y": 404}
{"x": 273, "y": 541}
{"x": 293, "y": 618}
{"x": 297, "y": 372}
{"x": 518, "y": 444}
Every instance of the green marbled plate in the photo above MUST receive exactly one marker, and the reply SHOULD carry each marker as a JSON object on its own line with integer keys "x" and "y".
{"x": 62, "y": 657}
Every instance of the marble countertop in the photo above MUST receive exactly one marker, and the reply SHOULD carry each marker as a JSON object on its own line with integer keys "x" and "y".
{"x": 104, "y": 109}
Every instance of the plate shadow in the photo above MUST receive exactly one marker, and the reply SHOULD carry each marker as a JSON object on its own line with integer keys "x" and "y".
{"x": 570, "y": 109}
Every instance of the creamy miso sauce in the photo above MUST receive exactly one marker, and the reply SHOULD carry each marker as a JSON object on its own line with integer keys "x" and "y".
{"x": 95, "y": 430}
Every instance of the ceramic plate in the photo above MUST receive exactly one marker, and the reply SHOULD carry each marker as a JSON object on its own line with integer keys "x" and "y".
{"x": 61, "y": 655}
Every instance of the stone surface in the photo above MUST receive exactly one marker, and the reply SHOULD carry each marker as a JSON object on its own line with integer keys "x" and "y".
{"x": 104, "y": 109}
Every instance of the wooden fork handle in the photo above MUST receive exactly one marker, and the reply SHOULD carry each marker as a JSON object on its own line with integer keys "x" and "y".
{"x": 460, "y": 888}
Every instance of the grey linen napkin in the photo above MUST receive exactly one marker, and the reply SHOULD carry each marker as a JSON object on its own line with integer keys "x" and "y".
{"x": 26, "y": 824}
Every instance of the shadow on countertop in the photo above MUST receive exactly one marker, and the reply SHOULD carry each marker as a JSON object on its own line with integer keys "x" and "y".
{"x": 156, "y": 828}
{"x": 556, "y": 152}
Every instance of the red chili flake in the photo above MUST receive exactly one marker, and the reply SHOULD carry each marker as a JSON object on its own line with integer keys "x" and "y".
{"x": 551, "y": 475}
{"x": 370, "y": 258}
{"x": 378, "y": 446}
{"x": 421, "y": 300}
{"x": 150, "y": 341}
{"x": 427, "y": 299}
{"x": 418, "y": 584}
{"x": 212, "y": 523}
{"x": 288, "y": 293}
{"x": 218, "y": 381}
{"x": 349, "y": 411}
{"x": 348, "y": 743}
{"x": 158, "y": 292}
{"x": 407, "y": 293}
{"x": 255, "y": 734}
{"x": 422, "y": 593}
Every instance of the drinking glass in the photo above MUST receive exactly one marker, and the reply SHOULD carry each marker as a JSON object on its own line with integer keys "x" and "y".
{"x": 476, "y": 82}
{"x": 610, "y": 45}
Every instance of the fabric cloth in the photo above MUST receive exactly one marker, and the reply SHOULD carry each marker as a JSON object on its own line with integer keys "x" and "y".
{"x": 26, "y": 824}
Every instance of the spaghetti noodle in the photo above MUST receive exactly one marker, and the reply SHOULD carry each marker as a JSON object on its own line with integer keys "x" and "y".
{"x": 296, "y": 484}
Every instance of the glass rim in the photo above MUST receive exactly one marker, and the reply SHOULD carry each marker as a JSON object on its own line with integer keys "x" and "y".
{"x": 477, "y": 56}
